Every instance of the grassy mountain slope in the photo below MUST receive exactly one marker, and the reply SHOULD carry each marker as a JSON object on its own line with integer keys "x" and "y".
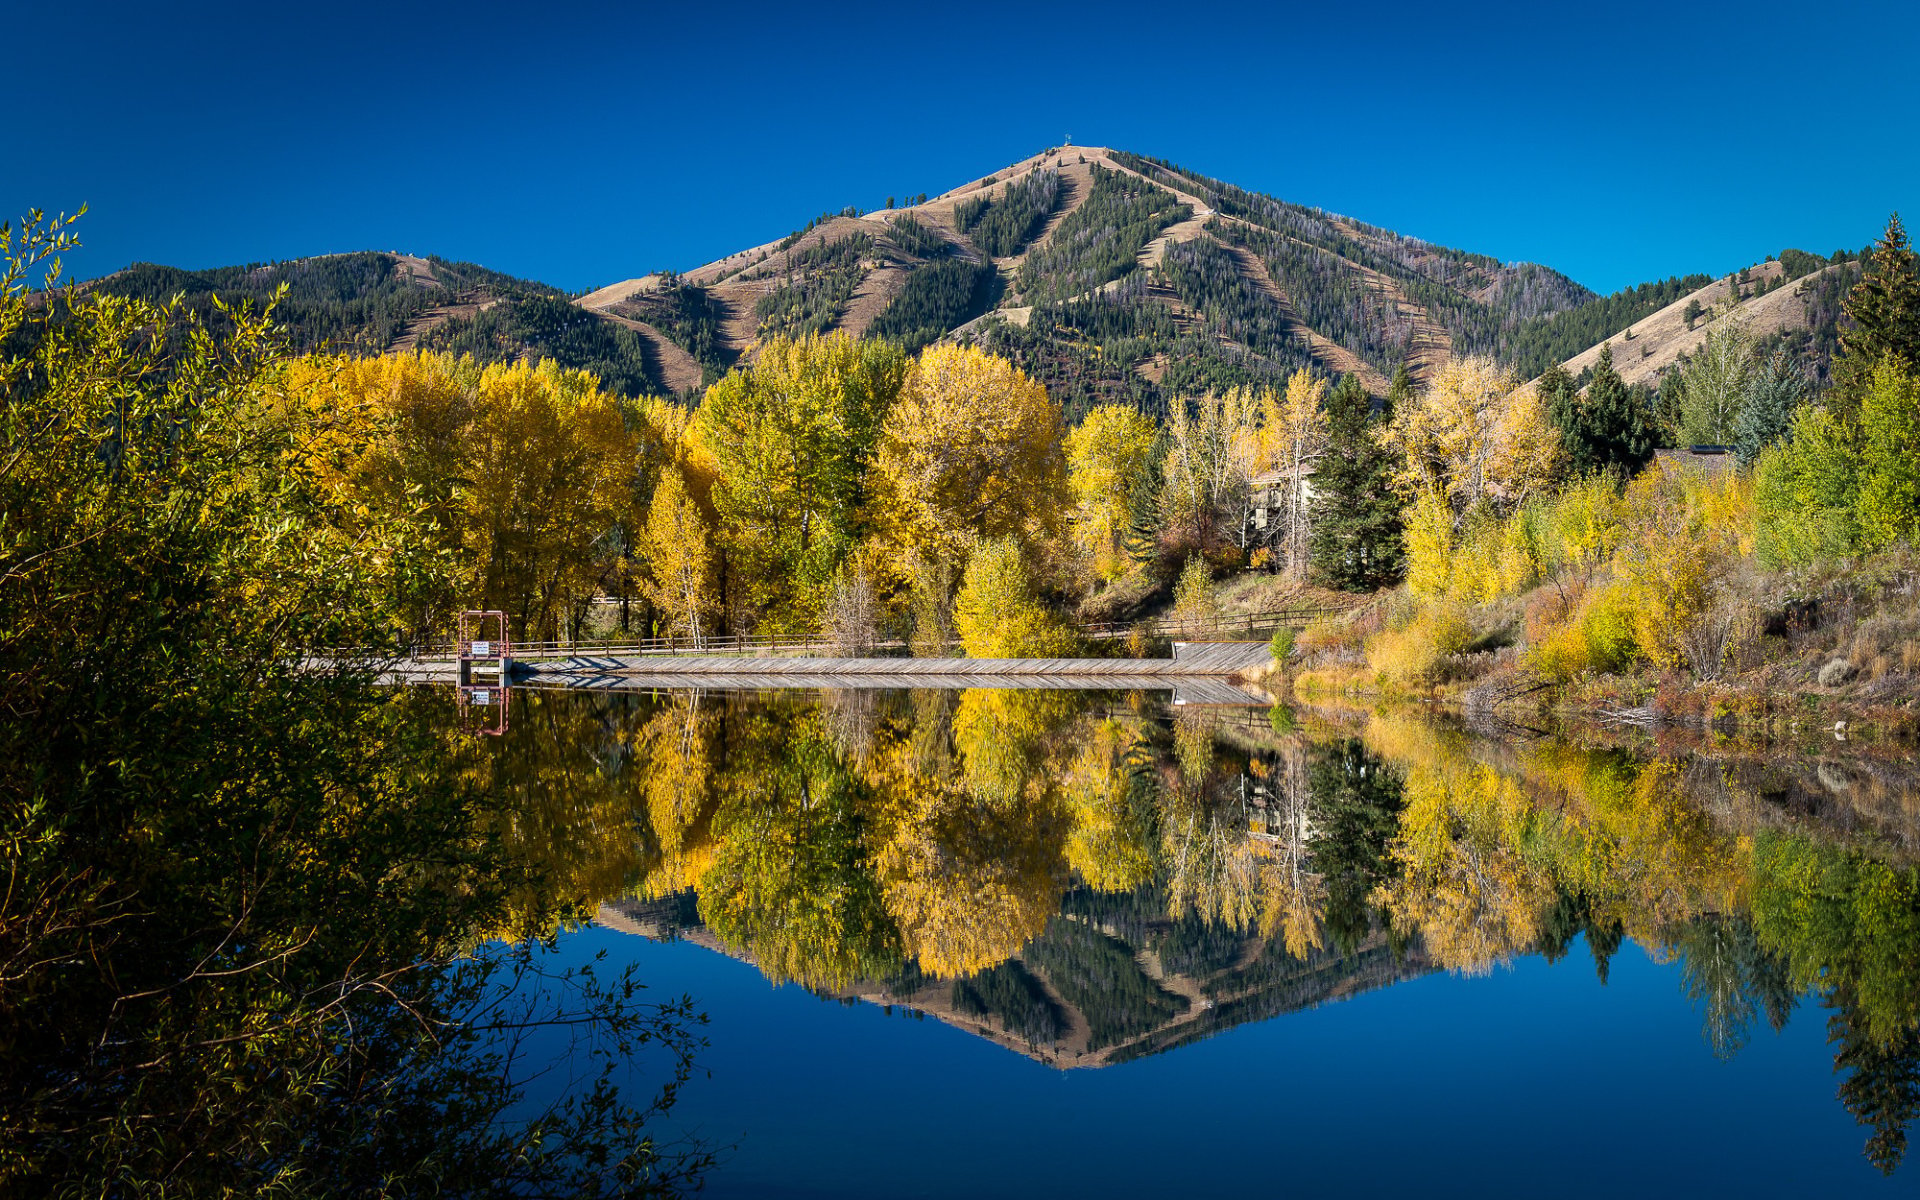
{"x": 1799, "y": 312}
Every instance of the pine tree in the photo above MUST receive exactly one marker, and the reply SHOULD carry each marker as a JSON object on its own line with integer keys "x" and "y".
{"x": 1611, "y": 428}
{"x": 1884, "y": 309}
{"x": 1144, "y": 512}
{"x": 1357, "y": 537}
{"x": 1773, "y": 394}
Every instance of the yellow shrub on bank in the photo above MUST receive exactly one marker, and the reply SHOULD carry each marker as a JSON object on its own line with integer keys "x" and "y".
{"x": 1596, "y": 637}
{"x": 1413, "y": 654}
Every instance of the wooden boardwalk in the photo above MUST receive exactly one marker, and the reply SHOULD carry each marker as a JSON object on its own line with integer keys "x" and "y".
{"x": 1190, "y": 660}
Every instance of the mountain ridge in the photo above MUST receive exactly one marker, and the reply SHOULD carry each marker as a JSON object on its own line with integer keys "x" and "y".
{"x": 1118, "y": 278}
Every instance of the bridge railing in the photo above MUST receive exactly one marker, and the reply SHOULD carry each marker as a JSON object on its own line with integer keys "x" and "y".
{"x": 1238, "y": 626}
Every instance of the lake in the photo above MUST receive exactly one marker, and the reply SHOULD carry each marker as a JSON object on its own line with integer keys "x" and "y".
{"x": 1012, "y": 943}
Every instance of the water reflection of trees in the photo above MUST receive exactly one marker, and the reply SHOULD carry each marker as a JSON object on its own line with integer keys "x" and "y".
{"x": 1088, "y": 879}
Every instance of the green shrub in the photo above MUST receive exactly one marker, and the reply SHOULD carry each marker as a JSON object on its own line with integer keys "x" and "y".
{"x": 1282, "y": 644}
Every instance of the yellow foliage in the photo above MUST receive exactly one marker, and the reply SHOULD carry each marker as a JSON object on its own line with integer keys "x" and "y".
{"x": 516, "y": 472}
{"x": 1108, "y": 846}
{"x": 1413, "y": 653}
{"x": 1104, "y": 454}
{"x": 970, "y": 452}
{"x": 1598, "y": 637}
{"x": 1684, "y": 525}
{"x": 1465, "y": 887}
{"x": 996, "y": 613}
{"x": 969, "y": 885}
{"x": 679, "y": 557}
{"x": 1429, "y": 526}
{"x": 1471, "y": 437}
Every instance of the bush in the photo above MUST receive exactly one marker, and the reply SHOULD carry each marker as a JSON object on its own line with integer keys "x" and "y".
{"x": 1836, "y": 673}
{"x": 1414, "y": 654}
{"x": 1282, "y": 644}
{"x": 1587, "y": 634}
{"x": 996, "y": 613}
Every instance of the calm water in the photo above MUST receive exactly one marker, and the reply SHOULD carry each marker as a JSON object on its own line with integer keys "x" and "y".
{"x": 1013, "y": 943}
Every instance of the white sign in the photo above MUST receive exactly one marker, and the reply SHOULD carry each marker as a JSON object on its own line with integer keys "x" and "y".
{"x": 481, "y": 649}
{"x": 483, "y": 696}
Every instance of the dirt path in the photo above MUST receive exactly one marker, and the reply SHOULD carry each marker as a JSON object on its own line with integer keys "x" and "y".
{"x": 681, "y": 371}
{"x": 433, "y": 318}
{"x": 1325, "y": 351}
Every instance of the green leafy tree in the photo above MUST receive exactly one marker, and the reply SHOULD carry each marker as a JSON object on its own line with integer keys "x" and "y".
{"x": 1358, "y": 541}
{"x": 1806, "y": 491}
{"x": 790, "y": 439}
{"x": 1889, "y": 504}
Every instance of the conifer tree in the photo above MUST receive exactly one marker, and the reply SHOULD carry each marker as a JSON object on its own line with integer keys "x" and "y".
{"x": 1611, "y": 428}
{"x": 1884, "y": 308}
{"x": 1773, "y": 394}
{"x": 1357, "y": 537}
{"x": 1144, "y": 512}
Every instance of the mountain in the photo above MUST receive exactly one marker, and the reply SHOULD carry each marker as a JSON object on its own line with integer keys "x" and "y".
{"x": 1107, "y": 275}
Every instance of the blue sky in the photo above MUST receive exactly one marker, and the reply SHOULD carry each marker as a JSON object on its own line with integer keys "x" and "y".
{"x": 580, "y": 144}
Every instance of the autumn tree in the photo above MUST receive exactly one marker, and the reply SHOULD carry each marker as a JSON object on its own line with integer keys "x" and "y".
{"x": 1107, "y": 454}
{"x": 1211, "y": 448}
{"x": 970, "y": 452}
{"x": 526, "y": 477}
{"x": 997, "y": 614}
{"x": 1293, "y": 436}
{"x": 790, "y": 440}
{"x": 676, "y": 545}
{"x": 1472, "y": 438}
{"x": 1357, "y": 538}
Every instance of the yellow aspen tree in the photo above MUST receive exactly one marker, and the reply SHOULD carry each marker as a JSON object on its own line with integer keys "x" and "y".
{"x": 1293, "y": 437}
{"x": 971, "y": 451}
{"x": 1473, "y": 437}
{"x": 996, "y": 613}
{"x": 1212, "y": 445}
{"x": 679, "y": 557}
{"x": 1105, "y": 452}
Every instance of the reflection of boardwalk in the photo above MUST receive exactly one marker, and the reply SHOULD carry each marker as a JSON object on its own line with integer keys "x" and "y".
{"x": 1198, "y": 672}
{"x": 1187, "y": 690}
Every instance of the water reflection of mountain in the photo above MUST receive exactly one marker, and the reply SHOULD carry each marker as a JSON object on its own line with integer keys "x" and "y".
{"x": 1090, "y": 879}
{"x": 1110, "y": 980}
